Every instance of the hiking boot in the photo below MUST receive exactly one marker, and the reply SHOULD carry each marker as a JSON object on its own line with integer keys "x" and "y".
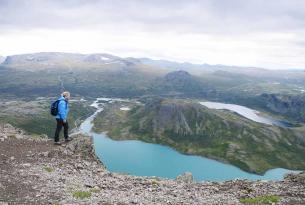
{"x": 57, "y": 143}
{"x": 68, "y": 139}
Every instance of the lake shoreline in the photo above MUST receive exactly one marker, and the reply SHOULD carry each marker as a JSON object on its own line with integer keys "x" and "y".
{"x": 167, "y": 146}
{"x": 190, "y": 154}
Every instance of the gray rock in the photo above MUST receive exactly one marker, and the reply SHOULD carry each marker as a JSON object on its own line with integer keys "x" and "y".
{"x": 45, "y": 154}
{"x": 186, "y": 177}
{"x": 299, "y": 178}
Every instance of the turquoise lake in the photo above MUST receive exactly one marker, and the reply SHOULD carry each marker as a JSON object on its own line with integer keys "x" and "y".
{"x": 145, "y": 159}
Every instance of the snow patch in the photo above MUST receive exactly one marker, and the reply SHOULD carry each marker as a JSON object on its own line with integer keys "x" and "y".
{"x": 103, "y": 58}
{"x": 125, "y": 108}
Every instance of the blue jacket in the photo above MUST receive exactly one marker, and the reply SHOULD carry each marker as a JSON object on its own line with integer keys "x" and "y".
{"x": 63, "y": 109}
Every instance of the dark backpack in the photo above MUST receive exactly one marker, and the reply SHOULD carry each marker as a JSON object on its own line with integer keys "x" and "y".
{"x": 54, "y": 108}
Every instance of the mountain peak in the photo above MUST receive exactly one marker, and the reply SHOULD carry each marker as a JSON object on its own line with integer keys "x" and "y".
{"x": 178, "y": 75}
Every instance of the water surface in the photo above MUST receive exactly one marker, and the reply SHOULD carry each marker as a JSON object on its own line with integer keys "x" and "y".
{"x": 146, "y": 159}
{"x": 248, "y": 113}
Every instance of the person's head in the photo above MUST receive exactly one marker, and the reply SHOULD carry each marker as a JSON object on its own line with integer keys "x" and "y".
{"x": 66, "y": 95}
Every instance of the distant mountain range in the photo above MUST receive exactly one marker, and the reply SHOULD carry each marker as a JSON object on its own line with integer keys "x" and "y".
{"x": 56, "y": 60}
{"x": 94, "y": 75}
{"x": 59, "y": 60}
{"x": 62, "y": 60}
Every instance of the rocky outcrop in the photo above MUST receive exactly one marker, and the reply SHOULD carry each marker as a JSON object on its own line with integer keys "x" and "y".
{"x": 186, "y": 177}
{"x": 288, "y": 105}
{"x": 81, "y": 146}
{"x": 296, "y": 178}
{"x": 38, "y": 172}
{"x": 8, "y": 131}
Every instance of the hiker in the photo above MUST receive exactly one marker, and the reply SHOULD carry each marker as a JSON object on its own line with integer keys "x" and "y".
{"x": 61, "y": 117}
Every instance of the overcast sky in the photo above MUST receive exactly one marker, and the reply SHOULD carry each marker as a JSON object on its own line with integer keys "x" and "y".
{"x": 262, "y": 33}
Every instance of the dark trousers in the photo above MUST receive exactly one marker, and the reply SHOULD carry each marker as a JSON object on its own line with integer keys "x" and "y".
{"x": 60, "y": 124}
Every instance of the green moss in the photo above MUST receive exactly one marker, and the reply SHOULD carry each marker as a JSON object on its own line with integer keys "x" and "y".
{"x": 267, "y": 199}
{"x": 48, "y": 169}
{"x": 81, "y": 194}
{"x": 155, "y": 183}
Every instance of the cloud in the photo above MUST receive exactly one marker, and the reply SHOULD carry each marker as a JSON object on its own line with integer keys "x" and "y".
{"x": 181, "y": 16}
{"x": 264, "y": 33}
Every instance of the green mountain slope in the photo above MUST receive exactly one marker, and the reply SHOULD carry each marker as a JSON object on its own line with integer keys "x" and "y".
{"x": 193, "y": 129}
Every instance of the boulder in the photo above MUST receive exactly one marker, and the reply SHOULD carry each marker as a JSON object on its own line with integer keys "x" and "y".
{"x": 81, "y": 145}
{"x": 298, "y": 178}
{"x": 186, "y": 177}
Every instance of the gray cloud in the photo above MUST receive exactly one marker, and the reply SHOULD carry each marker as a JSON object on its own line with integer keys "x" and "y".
{"x": 243, "y": 32}
{"x": 200, "y": 16}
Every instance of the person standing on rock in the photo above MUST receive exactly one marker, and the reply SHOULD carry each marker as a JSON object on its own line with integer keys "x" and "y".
{"x": 61, "y": 117}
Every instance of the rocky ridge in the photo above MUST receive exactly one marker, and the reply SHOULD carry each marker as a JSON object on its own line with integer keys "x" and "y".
{"x": 34, "y": 171}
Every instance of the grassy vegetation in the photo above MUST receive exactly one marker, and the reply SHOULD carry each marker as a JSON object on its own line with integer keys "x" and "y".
{"x": 48, "y": 169}
{"x": 155, "y": 183}
{"x": 192, "y": 129}
{"x": 81, "y": 194}
{"x": 267, "y": 199}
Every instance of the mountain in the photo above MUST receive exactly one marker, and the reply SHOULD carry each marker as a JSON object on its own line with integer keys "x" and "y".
{"x": 56, "y": 60}
{"x": 293, "y": 106}
{"x": 41, "y": 74}
{"x": 179, "y": 83}
{"x": 194, "y": 129}
{"x": 42, "y": 60}
{"x": 180, "y": 76}
{"x": 101, "y": 58}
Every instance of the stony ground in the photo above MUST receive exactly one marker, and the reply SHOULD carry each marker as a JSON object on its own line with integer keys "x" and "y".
{"x": 34, "y": 171}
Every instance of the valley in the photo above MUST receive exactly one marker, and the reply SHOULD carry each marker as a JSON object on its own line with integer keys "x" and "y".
{"x": 94, "y": 75}
{"x": 152, "y": 102}
{"x": 164, "y": 107}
